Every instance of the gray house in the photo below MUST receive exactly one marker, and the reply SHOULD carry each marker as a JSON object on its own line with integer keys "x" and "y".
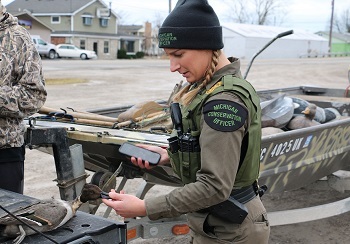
{"x": 88, "y": 24}
{"x": 150, "y": 43}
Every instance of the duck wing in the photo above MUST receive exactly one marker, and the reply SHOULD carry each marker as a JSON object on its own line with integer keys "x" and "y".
{"x": 298, "y": 122}
{"x": 47, "y": 212}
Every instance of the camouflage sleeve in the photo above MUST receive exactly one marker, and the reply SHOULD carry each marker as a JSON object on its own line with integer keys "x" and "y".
{"x": 22, "y": 90}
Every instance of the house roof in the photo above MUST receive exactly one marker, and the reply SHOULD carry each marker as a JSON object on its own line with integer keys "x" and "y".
{"x": 26, "y": 13}
{"x": 340, "y": 36}
{"x": 269, "y": 32}
{"x": 49, "y": 7}
{"x": 128, "y": 29}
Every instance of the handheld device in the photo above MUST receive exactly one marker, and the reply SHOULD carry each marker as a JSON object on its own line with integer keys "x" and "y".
{"x": 131, "y": 150}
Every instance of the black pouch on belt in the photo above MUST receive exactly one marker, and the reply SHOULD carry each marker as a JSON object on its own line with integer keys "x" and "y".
{"x": 230, "y": 210}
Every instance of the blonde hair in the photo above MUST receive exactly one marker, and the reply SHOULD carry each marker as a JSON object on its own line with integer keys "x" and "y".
{"x": 185, "y": 96}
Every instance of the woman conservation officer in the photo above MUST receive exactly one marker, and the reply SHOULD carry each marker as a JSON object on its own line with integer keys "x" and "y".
{"x": 216, "y": 144}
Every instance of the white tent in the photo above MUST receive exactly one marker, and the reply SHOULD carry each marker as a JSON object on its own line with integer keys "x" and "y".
{"x": 243, "y": 41}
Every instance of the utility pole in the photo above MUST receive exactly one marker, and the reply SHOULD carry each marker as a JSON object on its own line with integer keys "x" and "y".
{"x": 330, "y": 31}
{"x": 169, "y": 6}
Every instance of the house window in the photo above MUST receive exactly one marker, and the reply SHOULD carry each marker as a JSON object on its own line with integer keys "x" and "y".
{"x": 82, "y": 44}
{"x": 106, "y": 47}
{"x": 55, "y": 19}
{"x": 128, "y": 46}
{"x": 104, "y": 22}
{"x": 87, "y": 18}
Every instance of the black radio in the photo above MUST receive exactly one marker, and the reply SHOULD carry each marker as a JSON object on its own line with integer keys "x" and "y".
{"x": 189, "y": 143}
{"x": 184, "y": 142}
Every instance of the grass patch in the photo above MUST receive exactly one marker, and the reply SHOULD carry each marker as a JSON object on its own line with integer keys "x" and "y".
{"x": 61, "y": 81}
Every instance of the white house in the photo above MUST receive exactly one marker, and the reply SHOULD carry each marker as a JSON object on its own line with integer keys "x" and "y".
{"x": 244, "y": 41}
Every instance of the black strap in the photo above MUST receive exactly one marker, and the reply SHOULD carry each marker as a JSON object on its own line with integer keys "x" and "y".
{"x": 245, "y": 194}
{"x": 242, "y": 195}
{"x": 244, "y": 148}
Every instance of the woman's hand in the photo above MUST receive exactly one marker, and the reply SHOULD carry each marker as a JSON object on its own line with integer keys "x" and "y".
{"x": 164, "y": 158}
{"x": 127, "y": 206}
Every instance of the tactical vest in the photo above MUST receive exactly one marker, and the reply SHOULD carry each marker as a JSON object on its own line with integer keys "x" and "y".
{"x": 186, "y": 164}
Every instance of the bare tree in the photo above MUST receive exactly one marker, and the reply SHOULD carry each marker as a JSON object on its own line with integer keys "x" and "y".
{"x": 240, "y": 12}
{"x": 261, "y": 12}
{"x": 158, "y": 19}
{"x": 122, "y": 17}
{"x": 342, "y": 23}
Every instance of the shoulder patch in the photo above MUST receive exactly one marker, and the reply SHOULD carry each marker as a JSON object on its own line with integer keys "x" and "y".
{"x": 224, "y": 115}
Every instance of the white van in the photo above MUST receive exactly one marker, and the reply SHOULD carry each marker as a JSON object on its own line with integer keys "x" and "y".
{"x": 45, "y": 48}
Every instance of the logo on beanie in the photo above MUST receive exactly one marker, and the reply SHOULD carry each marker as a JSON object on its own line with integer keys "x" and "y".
{"x": 165, "y": 39}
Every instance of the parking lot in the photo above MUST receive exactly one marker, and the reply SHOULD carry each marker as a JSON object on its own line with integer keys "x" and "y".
{"x": 115, "y": 82}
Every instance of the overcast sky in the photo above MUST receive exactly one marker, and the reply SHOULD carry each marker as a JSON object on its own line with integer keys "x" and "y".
{"x": 310, "y": 15}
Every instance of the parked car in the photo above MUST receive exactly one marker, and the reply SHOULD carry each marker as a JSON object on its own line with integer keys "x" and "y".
{"x": 71, "y": 51}
{"x": 44, "y": 48}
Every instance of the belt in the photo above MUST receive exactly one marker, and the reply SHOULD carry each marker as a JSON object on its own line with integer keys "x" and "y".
{"x": 244, "y": 194}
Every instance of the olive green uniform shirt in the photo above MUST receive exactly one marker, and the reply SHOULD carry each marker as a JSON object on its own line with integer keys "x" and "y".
{"x": 220, "y": 155}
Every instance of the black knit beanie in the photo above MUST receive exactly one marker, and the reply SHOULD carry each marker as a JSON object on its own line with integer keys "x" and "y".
{"x": 192, "y": 24}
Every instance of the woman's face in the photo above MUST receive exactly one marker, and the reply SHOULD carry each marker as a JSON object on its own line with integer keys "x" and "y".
{"x": 191, "y": 64}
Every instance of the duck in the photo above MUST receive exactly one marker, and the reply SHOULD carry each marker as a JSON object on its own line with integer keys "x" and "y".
{"x": 305, "y": 120}
{"x": 46, "y": 215}
{"x": 300, "y": 105}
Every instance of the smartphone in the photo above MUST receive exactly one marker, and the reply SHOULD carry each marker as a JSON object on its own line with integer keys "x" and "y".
{"x": 131, "y": 150}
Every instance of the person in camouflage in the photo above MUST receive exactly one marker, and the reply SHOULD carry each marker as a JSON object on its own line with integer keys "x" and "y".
{"x": 22, "y": 93}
